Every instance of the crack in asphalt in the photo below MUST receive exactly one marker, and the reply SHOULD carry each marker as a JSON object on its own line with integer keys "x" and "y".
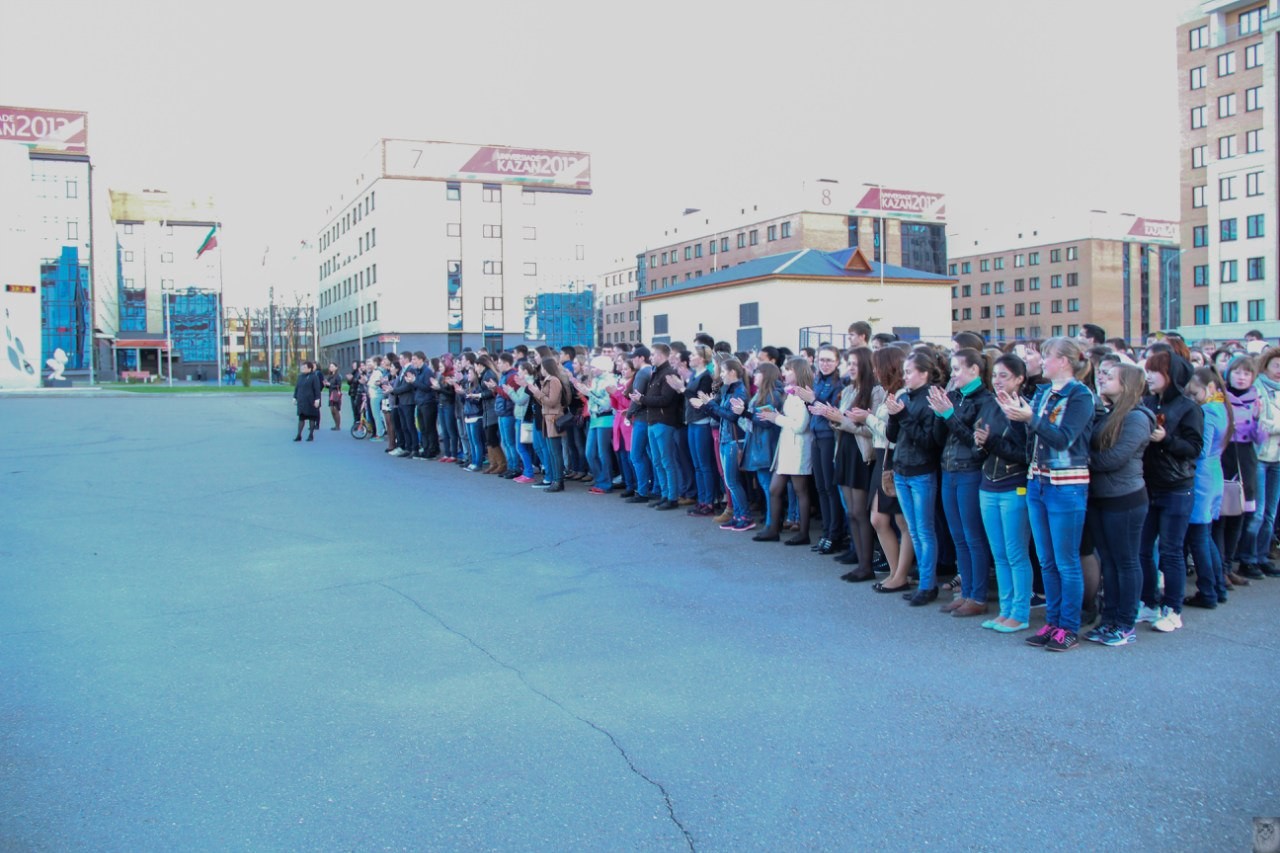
{"x": 666, "y": 797}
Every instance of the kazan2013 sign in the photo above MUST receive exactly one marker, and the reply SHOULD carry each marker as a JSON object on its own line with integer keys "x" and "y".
{"x": 47, "y": 131}
{"x": 452, "y": 161}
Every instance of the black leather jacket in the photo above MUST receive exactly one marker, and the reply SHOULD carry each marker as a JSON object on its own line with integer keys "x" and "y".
{"x": 960, "y": 454}
{"x": 1004, "y": 455}
{"x": 1170, "y": 465}
{"x": 918, "y": 435}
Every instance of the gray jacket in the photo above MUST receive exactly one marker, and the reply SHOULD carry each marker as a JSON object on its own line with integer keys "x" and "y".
{"x": 1117, "y": 471}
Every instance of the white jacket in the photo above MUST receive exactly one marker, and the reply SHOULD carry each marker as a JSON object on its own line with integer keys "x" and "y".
{"x": 1269, "y": 423}
{"x": 795, "y": 442}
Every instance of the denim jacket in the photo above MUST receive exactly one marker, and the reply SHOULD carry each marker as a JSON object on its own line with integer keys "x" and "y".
{"x": 1059, "y": 432}
{"x": 729, "y": 430}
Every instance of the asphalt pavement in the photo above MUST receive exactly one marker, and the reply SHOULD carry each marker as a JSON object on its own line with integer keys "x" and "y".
{"x": 214, "y": 638}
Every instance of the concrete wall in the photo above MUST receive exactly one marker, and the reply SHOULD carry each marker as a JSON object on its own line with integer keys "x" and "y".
{"x": 786, "y": 306}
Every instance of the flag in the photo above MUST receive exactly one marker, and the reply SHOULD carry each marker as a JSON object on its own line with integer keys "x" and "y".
{"x": 210, "y": 242}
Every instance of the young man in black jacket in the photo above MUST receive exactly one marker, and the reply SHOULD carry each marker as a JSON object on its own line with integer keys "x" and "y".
{"x": 663, "y": 406}
{"x": 426, "y": 406}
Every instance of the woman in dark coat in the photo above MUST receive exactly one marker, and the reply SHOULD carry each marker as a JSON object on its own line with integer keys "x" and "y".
{"x": 307, "y": 395}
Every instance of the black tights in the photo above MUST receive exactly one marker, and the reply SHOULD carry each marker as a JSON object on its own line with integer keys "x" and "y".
{"x": 859, "y": 523}
{"x": 778, "y": 495}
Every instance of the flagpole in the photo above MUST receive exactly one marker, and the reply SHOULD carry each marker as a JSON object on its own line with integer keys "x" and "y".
{"x": 218, "y": 321}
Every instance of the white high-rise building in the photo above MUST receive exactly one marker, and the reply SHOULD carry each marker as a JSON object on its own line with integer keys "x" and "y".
{"x": 441, "y": 246}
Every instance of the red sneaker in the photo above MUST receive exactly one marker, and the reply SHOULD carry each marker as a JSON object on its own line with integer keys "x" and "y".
{"x": 593, "y": 490}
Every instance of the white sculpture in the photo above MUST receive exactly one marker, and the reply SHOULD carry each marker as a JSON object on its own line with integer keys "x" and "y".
{"x": 56, "y": 365}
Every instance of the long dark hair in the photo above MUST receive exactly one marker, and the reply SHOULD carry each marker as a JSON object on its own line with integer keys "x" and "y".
{"x": 864, "y": 377}
{"x": 887, "y": 363}
{"x": 769, "y": 374}
{"x": 1133, "y": 381}
{"x": 551, "y": 369}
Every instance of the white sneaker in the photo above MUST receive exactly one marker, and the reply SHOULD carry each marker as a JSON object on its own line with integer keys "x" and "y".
{"x": 1168, "y": 622}
{"x": 1148, "y": 614}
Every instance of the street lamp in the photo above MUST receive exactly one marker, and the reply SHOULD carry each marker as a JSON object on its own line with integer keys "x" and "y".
{"x": 884, "y": 250}
{"x": 165, "y": 290}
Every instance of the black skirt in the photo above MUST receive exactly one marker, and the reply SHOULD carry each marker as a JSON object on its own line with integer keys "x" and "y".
{"x": 850, "y": 471}
{"x": 887, "y": 505}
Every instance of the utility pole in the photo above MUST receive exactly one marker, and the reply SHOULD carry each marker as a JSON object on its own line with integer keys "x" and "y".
{"x": 271, "y": 312}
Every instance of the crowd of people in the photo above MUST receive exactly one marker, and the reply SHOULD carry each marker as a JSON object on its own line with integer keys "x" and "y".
{"x": 1084, "y": 478}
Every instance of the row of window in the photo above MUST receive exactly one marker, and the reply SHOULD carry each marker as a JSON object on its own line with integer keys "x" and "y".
{"x": 780, "y": 231}
{"x": 358, "y": 211}
{"x": 1022, "y": 333}
{"x": 1227, "y": 65}
{"x": 349, "y": 285}
{"x": 1227, "y": 107}
{"x": 1228, "y": 232}
{"x": 1230, "y": 312}
{"x": 615, "y": 280}
{"x": 1019, "y": 309}
{"x": 489, "y": 193}
{"x": 617, "y": 317}
{"x": 1228, "y": 188}
{"x": 1227, "y": 147}
{"x": 1229, "y": 272}
{"x": 1031, "y": 259}
{"x": 454, "y": 229}
{"x": 1247, "y": 23}
{"x": 1072, "y": 279}
{"x": 615, "y": 298}
{"x": 366, "y": 313}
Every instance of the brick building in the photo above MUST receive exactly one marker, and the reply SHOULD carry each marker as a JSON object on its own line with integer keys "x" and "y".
{"x": 1034, "y": 285}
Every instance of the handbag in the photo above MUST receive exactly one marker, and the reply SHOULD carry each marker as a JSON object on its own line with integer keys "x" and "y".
{"x": 565, "y": 421}
{"x": 887, "y": 485}
{"x": 1232, "y": 498}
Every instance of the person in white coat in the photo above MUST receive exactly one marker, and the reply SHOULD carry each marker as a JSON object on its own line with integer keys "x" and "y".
{"x": 793, "y": 459}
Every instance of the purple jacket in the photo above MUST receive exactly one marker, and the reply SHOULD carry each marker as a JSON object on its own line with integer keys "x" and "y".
{"x": 1245, "y": 408}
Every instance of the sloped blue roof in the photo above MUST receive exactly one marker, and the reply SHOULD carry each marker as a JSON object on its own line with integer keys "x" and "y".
{"x": 806, "y": 263}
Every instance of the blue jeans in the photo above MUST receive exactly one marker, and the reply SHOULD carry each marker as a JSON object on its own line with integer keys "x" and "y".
{"x": 964, "y": 520}
{"x": 526, "y": 458}
{"x": 1118, "y": 536}
{"x": 1167, "y": 519}
{"x": 1008, "y": 529}
{"x": 733, "y": 478}
{"x": 1211, "y": 578}
{"x": 764, "y": 478}
{"x": 1262, "y": 524}
{"x": 918, "y": 497}
{"x": 555, "y": 461}
{"x": 704, "y": 463}
{"x": 475, "y": 443}
{"x": 575, "y": 447}
{"x": 1057, "y": 521}
{"x": 662, "y": 441}
{"x": 628, "y": 470}
{"x": 599, "y": 451}
{"x": 686, "y": 477}
{"x": 452, "y": 445}
{"x": 541, "y": 448}
{"x": 507, "y": 435}
{"x": 645, "y": 483}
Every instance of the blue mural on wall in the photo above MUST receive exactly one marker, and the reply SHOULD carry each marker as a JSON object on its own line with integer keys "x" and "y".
{"x": 64, "y": 309}
{"x": 561, "y": 319}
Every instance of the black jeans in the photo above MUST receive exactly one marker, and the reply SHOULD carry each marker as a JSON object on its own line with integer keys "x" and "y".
{"x": 427, "y": 413}
{"x": 406, "y": 430}
{"x": 824, "y": 481}
{"x": 1117, "y": 535}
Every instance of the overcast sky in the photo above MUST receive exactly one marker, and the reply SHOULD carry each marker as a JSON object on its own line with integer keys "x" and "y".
{"x": 1017, "y": 109}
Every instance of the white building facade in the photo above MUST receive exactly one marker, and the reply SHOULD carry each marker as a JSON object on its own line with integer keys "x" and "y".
{"x": 443, "y": 246}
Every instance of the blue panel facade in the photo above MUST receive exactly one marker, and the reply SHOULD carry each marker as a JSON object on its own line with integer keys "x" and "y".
{"x": 64, "y": 309}
{"x": 565, "y": 319}
{"x": 193, "y": 317}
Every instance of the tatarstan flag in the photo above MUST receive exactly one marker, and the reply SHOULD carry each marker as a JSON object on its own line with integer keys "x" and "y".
{"x": 210, "y": 242}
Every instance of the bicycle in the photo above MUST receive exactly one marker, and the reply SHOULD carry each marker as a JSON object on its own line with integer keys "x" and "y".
{"x": 364, "y": 424}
